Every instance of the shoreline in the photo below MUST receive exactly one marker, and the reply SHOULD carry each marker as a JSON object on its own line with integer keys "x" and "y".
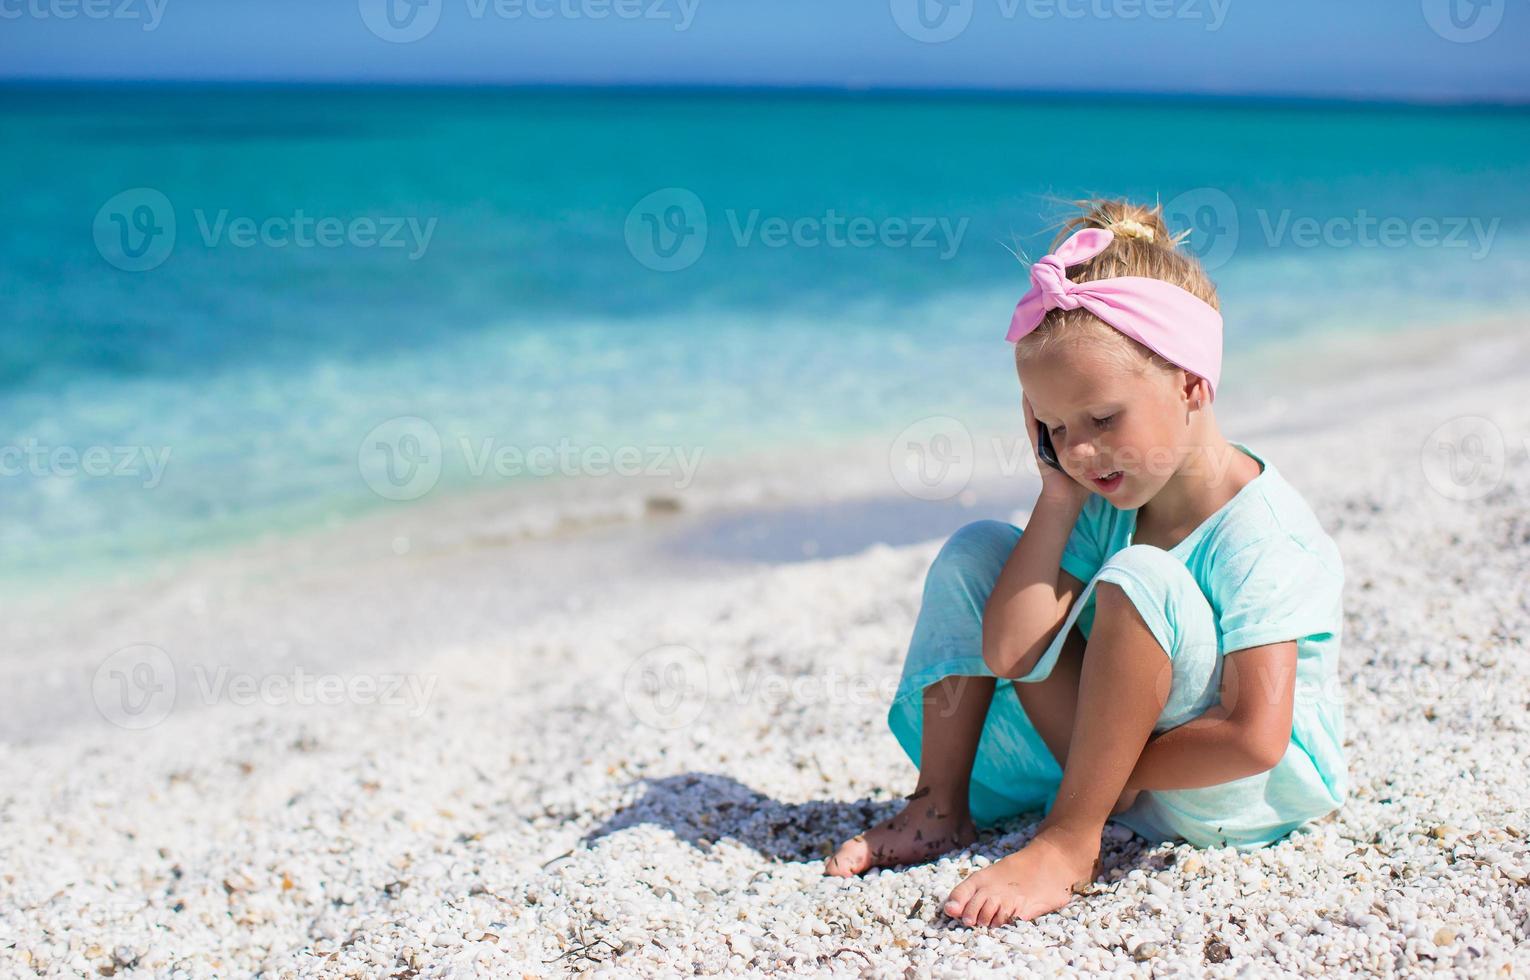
{"x": 842, "y": 474}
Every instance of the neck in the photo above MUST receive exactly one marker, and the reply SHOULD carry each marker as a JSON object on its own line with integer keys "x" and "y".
{"x": 1212, "y": 473}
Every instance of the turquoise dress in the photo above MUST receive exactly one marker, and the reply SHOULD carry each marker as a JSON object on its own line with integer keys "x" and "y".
{"x": 1260, "y": 570}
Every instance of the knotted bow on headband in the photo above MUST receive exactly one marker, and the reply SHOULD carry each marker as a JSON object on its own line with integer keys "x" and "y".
{"x": 1162, "y": 317}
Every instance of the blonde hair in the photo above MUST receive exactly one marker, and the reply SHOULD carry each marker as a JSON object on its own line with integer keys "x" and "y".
{"x": 1143, "y": 246}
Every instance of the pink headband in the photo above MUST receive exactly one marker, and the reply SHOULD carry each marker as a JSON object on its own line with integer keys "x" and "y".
{"x": 1162, "y": 317}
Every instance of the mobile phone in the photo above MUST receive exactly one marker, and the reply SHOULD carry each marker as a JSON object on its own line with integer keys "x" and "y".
{"x": 1044, "y": 447}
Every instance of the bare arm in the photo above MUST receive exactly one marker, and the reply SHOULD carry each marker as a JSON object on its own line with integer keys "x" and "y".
{"x": 1033, "y": 594}
{"x": 1246, "y": 734}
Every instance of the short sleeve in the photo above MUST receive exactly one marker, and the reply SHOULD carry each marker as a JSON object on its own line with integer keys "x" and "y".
{"x": 1084, "y": 553}
{"x": 1275, "y": 590}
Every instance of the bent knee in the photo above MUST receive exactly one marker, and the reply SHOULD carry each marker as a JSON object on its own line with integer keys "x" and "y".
{"x": 970, "y": 561}
{"x": 1113, "y": 601}
{"x": 1146, "y": 562}
{"x": 983, "y": 536}
{"x": 978, "y": 548}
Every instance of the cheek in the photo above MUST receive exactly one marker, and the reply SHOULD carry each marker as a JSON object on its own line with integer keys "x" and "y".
{"x": 1143, "y": 449}
{"x": 1157, "y": 454}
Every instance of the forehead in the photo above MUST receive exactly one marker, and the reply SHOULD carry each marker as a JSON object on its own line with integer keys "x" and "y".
{"x": 1061, "y": 381}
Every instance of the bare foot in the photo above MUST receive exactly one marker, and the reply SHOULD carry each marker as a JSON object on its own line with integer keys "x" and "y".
{"x": 922, "y": 831}
{"x": 1037, "y": 879}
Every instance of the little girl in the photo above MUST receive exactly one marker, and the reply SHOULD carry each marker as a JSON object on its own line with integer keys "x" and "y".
{"x": 1159, "y": 646}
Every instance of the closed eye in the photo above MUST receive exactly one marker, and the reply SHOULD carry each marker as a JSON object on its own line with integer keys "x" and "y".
{"x": 1105, "y": 422}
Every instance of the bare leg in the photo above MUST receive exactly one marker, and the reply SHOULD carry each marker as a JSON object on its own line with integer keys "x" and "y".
{"x": 1120, "y": 697}
{"x": 1051, "y": 704}
{"x": 936, "y": 818}
{"x": 952, "y": 727}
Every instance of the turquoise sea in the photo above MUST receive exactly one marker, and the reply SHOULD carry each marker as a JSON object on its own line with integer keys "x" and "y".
{"x": 210, "y": 299}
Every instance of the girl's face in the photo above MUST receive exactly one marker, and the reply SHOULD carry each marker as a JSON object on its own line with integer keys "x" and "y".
{"x": 1121, "y": 433}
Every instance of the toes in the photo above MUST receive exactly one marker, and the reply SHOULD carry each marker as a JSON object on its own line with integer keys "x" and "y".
{"x": 852, "y": 858}
{"x": 956, "y": 902}
{"x": 987, "y": 906}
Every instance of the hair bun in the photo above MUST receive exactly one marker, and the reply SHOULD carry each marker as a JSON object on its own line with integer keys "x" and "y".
{"x": 1131, "y": 228}
{"x": 1123, "y": 219}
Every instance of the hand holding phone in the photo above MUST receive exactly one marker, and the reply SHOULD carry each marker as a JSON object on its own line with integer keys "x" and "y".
{"x": 1055, "y": 481}
{"x": 1045, "y": 451}
{"x": 1044, "y": 447}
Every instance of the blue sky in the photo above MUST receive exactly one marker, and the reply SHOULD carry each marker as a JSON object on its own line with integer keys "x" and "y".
{"x": 1403, "y": 49}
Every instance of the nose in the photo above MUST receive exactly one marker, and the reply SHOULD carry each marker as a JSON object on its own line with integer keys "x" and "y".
{"x": 1082, "y": 451}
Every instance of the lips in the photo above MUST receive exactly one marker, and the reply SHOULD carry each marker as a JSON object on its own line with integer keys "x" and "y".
{"x": 1107, "y": 482}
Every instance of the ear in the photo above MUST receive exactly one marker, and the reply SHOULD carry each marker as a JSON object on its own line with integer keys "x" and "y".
{"x": 1195, "y": 391}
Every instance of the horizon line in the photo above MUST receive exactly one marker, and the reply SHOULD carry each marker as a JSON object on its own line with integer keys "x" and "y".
{"x": 778, "y": 89}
